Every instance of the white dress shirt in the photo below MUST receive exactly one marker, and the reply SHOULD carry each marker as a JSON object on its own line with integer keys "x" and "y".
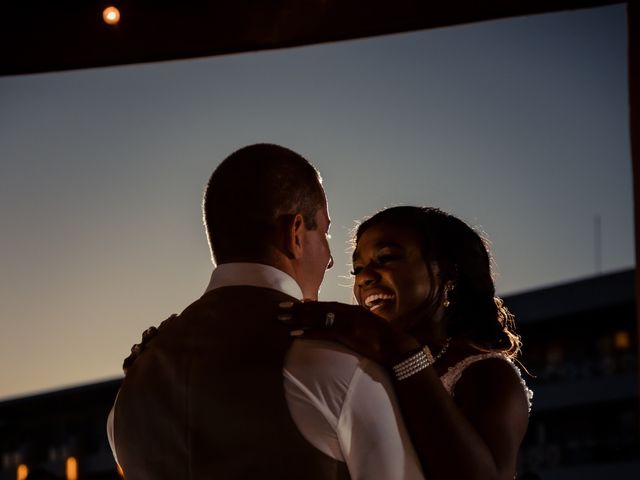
{"x": 341, "y": 402}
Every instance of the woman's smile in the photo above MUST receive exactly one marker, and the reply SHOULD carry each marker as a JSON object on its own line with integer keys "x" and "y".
{"x": 375, "y": 301}
{"x": 391, "y": 277}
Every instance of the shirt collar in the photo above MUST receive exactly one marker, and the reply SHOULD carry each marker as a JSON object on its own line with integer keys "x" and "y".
{"x": 253, "y": 275}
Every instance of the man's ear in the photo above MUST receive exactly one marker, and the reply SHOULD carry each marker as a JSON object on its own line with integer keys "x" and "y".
{"x": 294, "y": 237}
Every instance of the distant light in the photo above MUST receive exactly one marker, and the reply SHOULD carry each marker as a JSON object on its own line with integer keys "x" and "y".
{"x": 22, "y": 472}
{"x": 622, "y": 340}
{"x": 120, "y": 471}
{"x": 72, "y": 468}
{"x": 111, "y": 15}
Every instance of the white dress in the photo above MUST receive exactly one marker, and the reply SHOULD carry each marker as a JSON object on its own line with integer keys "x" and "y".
{"x": 453, "y": 374}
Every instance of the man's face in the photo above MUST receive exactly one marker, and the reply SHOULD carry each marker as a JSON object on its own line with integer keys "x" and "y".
{"x": 317, "y": 254}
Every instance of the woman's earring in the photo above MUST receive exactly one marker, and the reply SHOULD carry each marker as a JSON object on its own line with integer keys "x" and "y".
{"x": 447, "y": 289}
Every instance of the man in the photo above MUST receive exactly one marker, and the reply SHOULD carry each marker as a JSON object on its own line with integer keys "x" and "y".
{"x": 222, "y": 390}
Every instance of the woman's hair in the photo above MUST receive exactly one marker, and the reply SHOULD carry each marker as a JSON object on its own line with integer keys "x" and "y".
{"x": 454, "y": 253}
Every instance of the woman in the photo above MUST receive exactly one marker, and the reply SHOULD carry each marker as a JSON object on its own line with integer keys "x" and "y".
{"x": 430, "y": 317}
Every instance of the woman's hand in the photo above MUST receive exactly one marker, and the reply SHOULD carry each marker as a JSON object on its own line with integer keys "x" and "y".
{"x": 352, "y": 326}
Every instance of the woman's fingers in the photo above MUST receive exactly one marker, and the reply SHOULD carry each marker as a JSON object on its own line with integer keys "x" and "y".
{"x": 288, "y": 315}
{"x": 351, "y": 325}
{"x": 316, "y": 334}
{"x": 308, "y": 314}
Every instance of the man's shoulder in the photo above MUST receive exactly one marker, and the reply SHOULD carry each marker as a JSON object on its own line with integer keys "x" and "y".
{"x": 319, "y": 361}
{"x": 310, "y": 352}
{"x": 247, "y": 298}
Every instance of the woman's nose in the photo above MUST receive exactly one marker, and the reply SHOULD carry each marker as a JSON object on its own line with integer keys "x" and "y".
{"x": 367, "y": 276}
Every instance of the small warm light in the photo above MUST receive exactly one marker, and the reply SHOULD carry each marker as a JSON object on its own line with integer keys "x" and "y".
{"x": 120, "y": 471}
{"x": 111, "y": 15}
{"x": 72, "y": 468}
{"x": 622, "y": 340}
{"x": 22, "y": 472}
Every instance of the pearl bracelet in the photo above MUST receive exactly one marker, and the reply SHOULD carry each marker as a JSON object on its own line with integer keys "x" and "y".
{"x": 414, "y": 364}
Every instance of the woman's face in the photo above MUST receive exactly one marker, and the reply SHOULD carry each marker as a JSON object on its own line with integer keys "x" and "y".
{"x": 391, "y": 277}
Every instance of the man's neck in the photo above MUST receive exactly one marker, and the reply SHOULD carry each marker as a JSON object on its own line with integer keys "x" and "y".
{"x": 253, "y": 274}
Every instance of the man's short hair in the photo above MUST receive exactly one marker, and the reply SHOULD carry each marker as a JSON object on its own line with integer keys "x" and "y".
{"x": 252, "y": 189}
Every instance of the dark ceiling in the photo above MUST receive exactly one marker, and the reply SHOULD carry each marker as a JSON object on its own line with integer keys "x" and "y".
{"x": 39, "y": 36}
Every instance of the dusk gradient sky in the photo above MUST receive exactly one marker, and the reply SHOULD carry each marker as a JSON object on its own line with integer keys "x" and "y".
{"x": 517, "y": 126}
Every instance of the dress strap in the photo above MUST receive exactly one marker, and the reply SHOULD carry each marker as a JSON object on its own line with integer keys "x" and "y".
{"x": 453, "y": 374}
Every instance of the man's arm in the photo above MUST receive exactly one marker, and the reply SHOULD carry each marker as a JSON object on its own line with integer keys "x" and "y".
{"x": 371, "y": 431}
{"x": 344, "y": 405}
{"x": 110, "y": 431}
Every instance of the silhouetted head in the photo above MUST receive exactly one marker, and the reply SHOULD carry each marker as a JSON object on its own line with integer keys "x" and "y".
{"x": 259, "y": 202}
{"x": 422, "y": 263}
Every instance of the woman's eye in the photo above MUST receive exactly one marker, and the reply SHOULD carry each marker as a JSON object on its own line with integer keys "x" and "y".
{"x": 356, "y": 270}
{"x": 388, "y": 257}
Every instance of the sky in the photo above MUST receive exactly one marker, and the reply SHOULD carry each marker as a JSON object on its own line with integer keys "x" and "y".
{"x": 517, "y": 126}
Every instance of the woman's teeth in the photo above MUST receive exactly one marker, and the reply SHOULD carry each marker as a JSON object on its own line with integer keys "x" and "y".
{"x": 376, "y": 300}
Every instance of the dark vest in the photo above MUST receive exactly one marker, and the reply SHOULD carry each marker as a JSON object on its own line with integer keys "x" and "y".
{"x": 205, "y": 399}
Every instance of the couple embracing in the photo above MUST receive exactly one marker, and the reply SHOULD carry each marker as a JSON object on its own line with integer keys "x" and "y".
{"x": 416, "y": 381}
